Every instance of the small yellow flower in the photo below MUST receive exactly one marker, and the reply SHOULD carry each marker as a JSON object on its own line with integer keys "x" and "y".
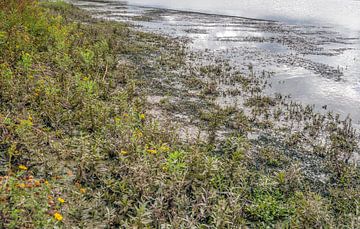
{"x": 61, "y": 200}
{"x": 82, "y": 190}
{"x": 152, "y": 151}
{"x": 22, "y": 167}
{"x": 124, "y": 152}
{"x": 142, "y": 116}
{"x": 21, "y": 185}
{"x": 46, "y": 182}
{"x": 58, "y": 216}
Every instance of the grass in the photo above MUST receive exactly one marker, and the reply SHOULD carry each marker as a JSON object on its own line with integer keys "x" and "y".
{"x": 78, "y": 147}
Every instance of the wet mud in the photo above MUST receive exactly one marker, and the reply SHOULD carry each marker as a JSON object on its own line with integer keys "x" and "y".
{"x": 237, "y": 75}
{"x": 315, "y": 65}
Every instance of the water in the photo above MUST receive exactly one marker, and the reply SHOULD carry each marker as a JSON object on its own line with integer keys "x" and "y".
{"x": 312, "y": 47}
{"x": 344, "y": 13}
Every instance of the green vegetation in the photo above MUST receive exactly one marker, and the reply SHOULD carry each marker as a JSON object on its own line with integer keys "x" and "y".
{"x": 79, "y": 149}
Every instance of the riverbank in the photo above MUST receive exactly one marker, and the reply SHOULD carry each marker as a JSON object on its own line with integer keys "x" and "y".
{"x": 314, "y": 62}
{"x": 102, "y": 125}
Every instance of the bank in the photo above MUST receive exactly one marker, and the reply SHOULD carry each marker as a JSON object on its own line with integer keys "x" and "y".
{"x": 90, "y": 115}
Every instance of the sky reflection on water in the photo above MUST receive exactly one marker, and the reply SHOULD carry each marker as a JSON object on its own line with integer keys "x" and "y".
{"x": 344, "y": 13}
{"x": 313, "y": 47}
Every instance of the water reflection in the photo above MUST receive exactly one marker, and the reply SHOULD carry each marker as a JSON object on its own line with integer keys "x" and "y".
{"x": 314, "y": 48}
{"x": 338, "y": 12}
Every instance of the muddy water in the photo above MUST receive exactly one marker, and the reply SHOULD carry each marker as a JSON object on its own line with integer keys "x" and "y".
{"x": 311, "y": 47}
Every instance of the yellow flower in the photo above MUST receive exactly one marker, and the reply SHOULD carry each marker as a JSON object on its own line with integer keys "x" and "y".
{"x": 21, "y": 185}
{"x": 37, "y": 183}
{"x": 82, "y": 190}
{"x": 22, "y": 167}
{"x": 124, "y": 152}
{"x": 142, "y": 116}
{"x": 152, "y": 151}
{"x": 61, "y": 200}
{"x": 58, "y": 216}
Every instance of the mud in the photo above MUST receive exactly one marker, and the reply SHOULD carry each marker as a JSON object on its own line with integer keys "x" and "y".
{"x": 314, "y": 64}
{"x": 231, "y": 81}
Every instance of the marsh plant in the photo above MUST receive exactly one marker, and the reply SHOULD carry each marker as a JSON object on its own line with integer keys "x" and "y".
{"x": 79, "y": 147}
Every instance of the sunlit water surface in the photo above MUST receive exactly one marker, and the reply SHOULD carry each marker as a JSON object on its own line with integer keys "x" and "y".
{"x": 312, "y": 46}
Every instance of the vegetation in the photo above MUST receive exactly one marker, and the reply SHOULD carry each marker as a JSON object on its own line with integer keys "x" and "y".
{"x": 78, "y": 147}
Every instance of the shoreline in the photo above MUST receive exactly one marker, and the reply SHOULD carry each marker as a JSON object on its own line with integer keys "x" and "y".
{"x": 281, "y": 49}
{"x": 79, "y": 138}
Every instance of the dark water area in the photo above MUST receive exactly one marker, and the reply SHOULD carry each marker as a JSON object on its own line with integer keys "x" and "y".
{"x": 312, "y": 48}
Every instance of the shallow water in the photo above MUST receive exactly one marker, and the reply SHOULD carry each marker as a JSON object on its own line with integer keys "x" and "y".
{"x": 344, "y": 13}
{"x": 312, "y": 47}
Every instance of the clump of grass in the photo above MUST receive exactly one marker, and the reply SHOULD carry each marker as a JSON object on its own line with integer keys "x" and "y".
{"x": 77, "y": 147}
